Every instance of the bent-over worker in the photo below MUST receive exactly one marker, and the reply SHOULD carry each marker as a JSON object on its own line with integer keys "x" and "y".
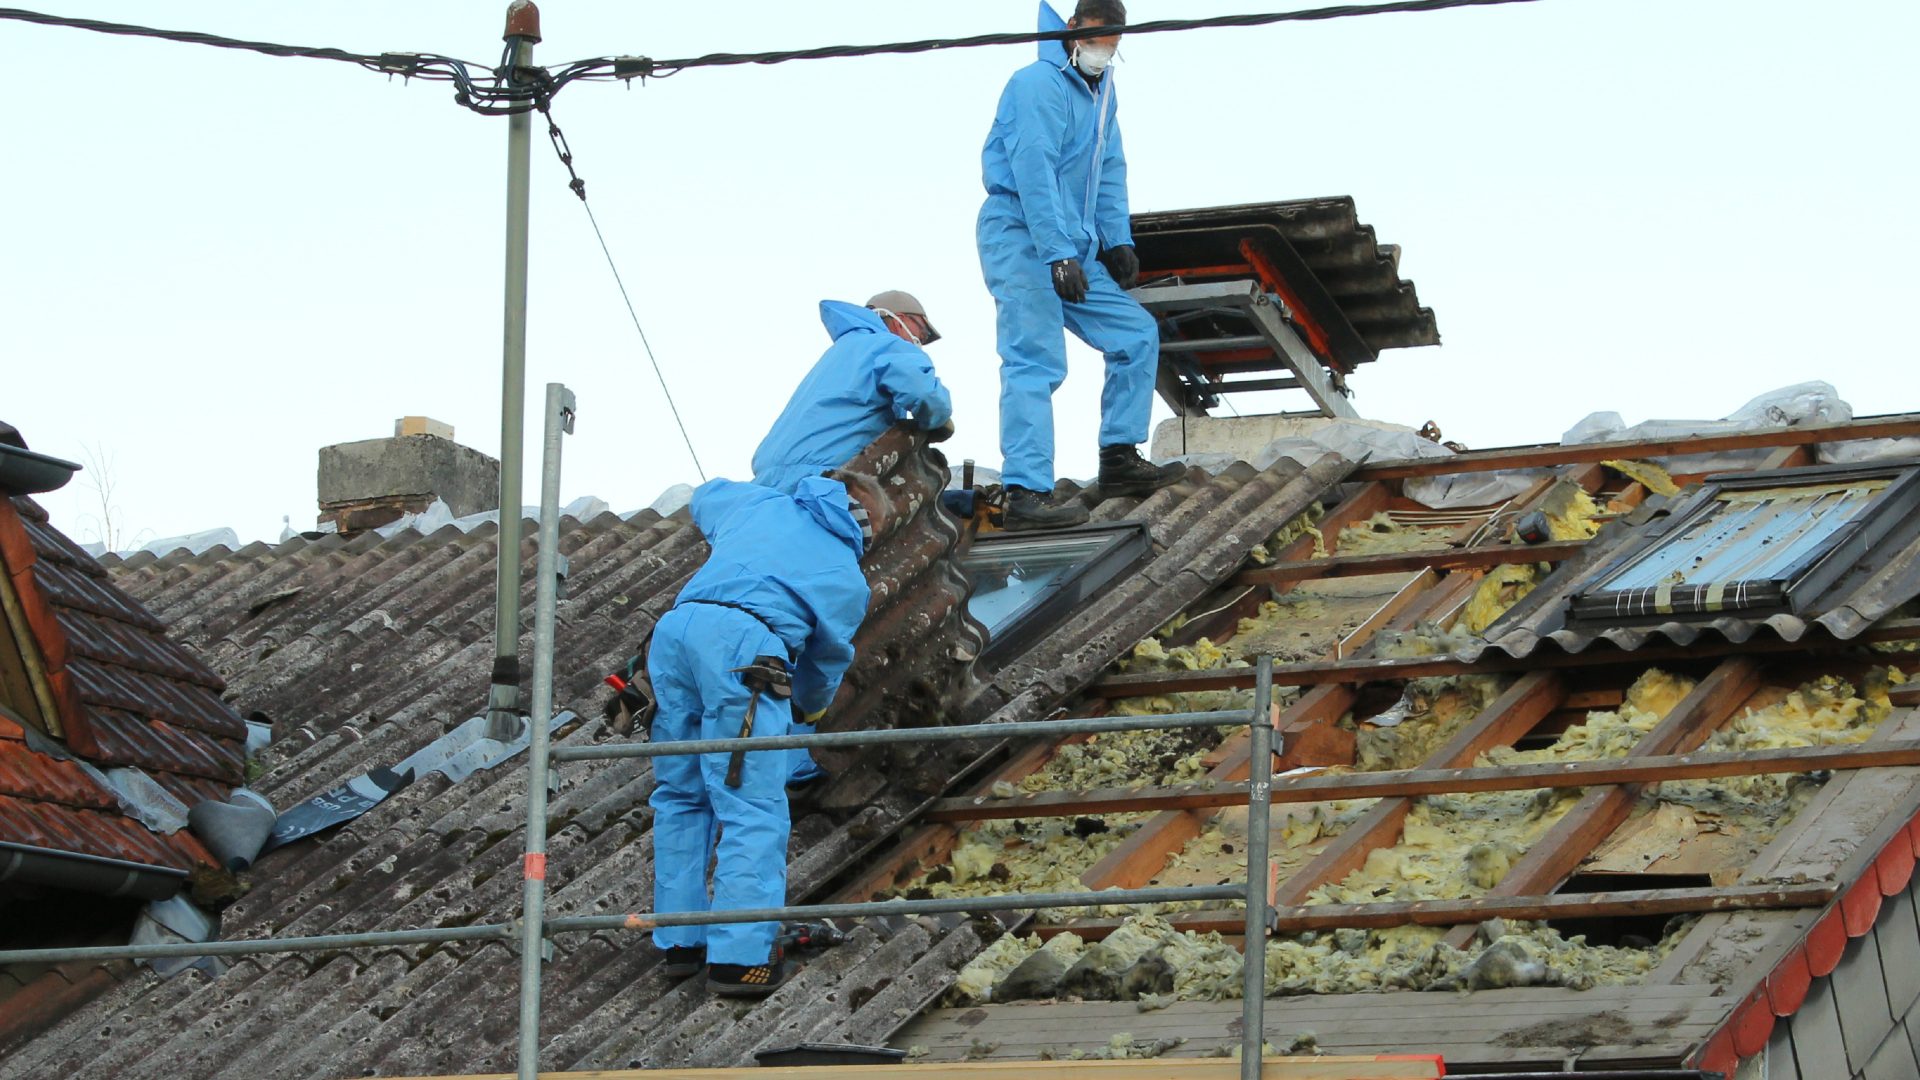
{"x": 782, "y": 588}
{"x": 1056, "y": 247}
{"x": 874, "y": 375}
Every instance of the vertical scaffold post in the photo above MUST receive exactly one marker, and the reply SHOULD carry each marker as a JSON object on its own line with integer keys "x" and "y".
{"x": 559, "y": 416}
{"x": 1259, "y": 811}
{"x": 503, "y": 703}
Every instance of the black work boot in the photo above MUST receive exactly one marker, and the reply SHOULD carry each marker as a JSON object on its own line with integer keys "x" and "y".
{"x": 757, "y": 981}
{"x": 1028, "y": 509}
{"x": 683, "y": 960}
{"x": 1124, "y": 472}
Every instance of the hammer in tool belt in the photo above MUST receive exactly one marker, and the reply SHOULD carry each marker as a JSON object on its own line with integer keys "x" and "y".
{"x": 767, "y": 674}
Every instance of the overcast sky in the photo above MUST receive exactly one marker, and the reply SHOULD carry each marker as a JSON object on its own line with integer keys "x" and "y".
{"x": 218, "y": 262}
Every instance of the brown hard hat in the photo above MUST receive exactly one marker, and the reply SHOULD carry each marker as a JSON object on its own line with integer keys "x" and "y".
{"x": 904, "y": 303}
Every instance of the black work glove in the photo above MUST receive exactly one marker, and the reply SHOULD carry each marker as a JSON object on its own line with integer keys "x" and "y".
{"x": 1070, "y": 280}
{"x": 941, "y": 433}
{"x": 1123, "y": 264}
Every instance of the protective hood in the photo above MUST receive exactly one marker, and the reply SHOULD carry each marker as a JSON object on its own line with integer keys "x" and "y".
{"x": 1053, "y": 52}
{"x": 826, "y": 501}
{"x": 841, "y": 318}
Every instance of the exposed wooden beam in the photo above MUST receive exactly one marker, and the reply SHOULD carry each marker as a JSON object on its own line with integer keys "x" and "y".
{"x": 1420, "y": 667}
{"x": 1466, "y": 913}
{"x": 1469, "y": 558}
{"x": 1601, "y": 810}
{"x": 1430, "y": 781}
{"x": 1509, "y": 716}
{"x": 1547, "y": 455}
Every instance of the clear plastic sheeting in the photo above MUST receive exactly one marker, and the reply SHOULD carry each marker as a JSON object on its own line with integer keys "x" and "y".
{"x": 1804, "y": 403}
{"x": 670, "y": 501}
{"x": 438, "y": 516}
{"x": 195, "y": 544}
{"x": 1470, "y": 489}
{"x": 144, "y": 800}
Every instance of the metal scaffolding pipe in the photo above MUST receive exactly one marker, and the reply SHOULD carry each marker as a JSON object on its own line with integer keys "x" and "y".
{"x": 1259, "y": 815}
{"x": 559, "y": 423}
{"x": 327, "y": 943}
{"x": 951, "y": 905}
{"x": 886, "y": 736}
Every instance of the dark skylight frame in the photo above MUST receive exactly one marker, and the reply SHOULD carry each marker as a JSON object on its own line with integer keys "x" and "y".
{"x": 1751, "y": 544}
{"x": 1025, "y": 584}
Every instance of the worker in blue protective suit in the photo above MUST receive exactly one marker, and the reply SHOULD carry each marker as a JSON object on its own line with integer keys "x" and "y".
{"x": 783, "y": 582}
{"x": 1056, "y": 247}
{"x": 874, "y": 375}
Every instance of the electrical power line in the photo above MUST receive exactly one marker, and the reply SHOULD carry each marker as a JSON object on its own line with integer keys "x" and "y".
{"x": 494, "y": 93}
{"x": 1158, "y": 26}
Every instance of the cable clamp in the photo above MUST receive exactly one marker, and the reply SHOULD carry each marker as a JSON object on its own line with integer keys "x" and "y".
{"x": 536, "y": 867}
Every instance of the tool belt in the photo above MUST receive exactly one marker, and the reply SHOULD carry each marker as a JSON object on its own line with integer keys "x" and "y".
{"x": 633, "y": 705}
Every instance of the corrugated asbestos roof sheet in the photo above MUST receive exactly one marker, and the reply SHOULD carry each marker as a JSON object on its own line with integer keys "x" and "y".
{"x": 1347, "y": 282}
{"x": 365, "y": 650}
{"x": 126, "y": 696}
{"x": 1887, "y": 577}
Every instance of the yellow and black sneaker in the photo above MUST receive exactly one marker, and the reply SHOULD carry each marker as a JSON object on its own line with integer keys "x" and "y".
{"x": 741, "y": 981}
{"x": 684, "y": 960}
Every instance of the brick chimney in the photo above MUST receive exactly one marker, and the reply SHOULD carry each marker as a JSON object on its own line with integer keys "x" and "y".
{"x": 364, "y": 485}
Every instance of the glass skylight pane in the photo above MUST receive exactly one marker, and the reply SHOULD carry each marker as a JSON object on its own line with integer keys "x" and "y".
{"x": 1010, "y": 575}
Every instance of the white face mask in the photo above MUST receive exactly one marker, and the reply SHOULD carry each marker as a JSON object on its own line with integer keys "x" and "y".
{"x": 1090, "y": 58}
{"x": 901, "y": 323}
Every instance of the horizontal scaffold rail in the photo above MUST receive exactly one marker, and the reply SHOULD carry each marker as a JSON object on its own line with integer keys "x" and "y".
{"x": 1897, "y": 425}
{"x": 886, "y": 736}
{"x": 1465, "y": 912}
{"x": 1323, "y": 787}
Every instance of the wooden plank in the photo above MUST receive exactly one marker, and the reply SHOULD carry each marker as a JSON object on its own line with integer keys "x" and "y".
{"x": 1358, "y": 507}
{"x": 1488, "y": 1026}
{"x": 1477, "y": 557}
{"x": 1424, "y": 781}
{"x": 1548, "y": 906}
{"x": 1386, "y": 613}
{"x": 1548, "y": 455}
{"x": 1328, "y": 1067}
{"x": 1506, "y": 719}
{"x": 1422, "y": 667}
{"x": 1568, "y": 842}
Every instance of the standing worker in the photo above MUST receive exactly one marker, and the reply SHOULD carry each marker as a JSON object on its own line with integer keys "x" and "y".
{"x": 874, "y": 375}
{"x": 1056, "y": 247}
{"x": 779, "y": 598}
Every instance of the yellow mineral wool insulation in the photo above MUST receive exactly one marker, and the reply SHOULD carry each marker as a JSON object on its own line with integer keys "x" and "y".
{"x": 1647, "y": 474}
{"x": 1206, "y": 968}
{"x": 1458, "y": 846}
{"x": 1381, "y": 535}
{"x": 1503, "y": 587}
{"x": 1606, "y": 732}
{"x": 1823, "y": 712}
{"x": 1285, "y": 535}
{"x": 1203, "y": 655}
{"x": 1045, "y": 855}
{"x": 1570, "y": 511}
{"x": 984, "y": 972}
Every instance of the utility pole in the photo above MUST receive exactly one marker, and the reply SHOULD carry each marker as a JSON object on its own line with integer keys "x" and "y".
{"x": 503, "y": 703}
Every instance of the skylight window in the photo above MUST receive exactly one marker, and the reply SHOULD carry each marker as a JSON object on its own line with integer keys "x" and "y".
{"x": 1759, "y": 544}
{"x": 1025, "y": 584}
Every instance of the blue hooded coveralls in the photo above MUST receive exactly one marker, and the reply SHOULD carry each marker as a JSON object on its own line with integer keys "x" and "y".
{"x": 794, "y": 562}
{"x": 865, "y": 382}
{"x": 1056, "y": 180}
